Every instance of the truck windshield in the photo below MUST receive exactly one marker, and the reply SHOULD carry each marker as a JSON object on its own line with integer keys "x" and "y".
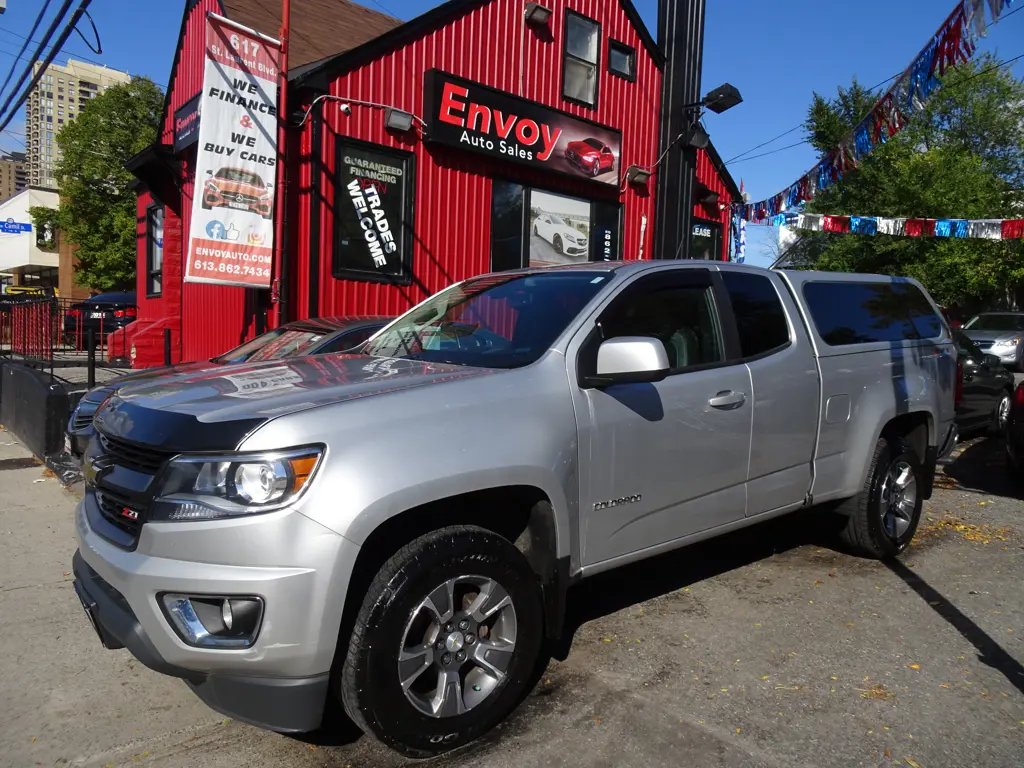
{"x": 496, "y": 321}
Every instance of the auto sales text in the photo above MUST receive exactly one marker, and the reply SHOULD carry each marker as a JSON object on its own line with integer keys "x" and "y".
{"x": 480, "y": 117}
{"x": 373, "y": 221}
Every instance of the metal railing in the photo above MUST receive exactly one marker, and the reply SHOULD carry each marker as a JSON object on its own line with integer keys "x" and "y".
{"x": 52, "y": 332}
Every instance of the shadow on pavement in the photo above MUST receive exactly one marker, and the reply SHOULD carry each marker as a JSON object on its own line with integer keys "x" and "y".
{"x": 981, "y": 466}
{"x": 990, "y": 652}
{"x": 609, "y": 592}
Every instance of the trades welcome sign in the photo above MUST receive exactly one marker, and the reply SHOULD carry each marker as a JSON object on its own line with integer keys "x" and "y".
{"x": 232, "y": 233}
{"x": 481, "y": 119}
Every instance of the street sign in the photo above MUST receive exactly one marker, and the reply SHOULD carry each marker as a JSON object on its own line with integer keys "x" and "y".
{"x": 12, "y": 227}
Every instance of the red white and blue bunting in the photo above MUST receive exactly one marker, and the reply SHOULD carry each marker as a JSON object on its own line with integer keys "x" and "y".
{"x": 953, "y": 44}
{"x": 983, "y": 229}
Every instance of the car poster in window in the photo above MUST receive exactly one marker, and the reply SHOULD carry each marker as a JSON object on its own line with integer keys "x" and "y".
{"x": 373, "y": 219}
{"x": 231, "y": 239}
{"x": 477, "y": 118}
{"x": 559, "y": 229}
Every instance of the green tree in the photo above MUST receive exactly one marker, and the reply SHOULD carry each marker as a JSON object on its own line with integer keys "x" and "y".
{"x": 98, "y": 207}
{"x": 961, "y": 157}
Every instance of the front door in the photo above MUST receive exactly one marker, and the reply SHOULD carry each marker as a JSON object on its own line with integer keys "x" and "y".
{"x": 668, "y": 459}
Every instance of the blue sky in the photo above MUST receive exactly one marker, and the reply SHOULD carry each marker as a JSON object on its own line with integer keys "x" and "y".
{"x": 777, "y": 58}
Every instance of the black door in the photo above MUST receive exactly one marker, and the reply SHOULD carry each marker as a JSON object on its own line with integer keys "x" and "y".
{"x": 983, "y": 386}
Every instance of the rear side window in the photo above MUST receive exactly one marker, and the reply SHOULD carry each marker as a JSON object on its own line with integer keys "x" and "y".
{"x": 760, "y": 318}
{"x": 858, "y": 313}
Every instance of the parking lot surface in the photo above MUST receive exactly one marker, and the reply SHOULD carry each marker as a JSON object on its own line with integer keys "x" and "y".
{"x": 763, "y": 648}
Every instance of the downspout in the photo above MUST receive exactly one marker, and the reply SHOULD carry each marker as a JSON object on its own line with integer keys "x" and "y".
{"x": 277, "y": 295}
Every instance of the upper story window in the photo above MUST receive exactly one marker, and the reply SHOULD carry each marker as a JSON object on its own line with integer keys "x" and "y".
{"x": 582, "y": 50}
{"x": 622, "y": 60}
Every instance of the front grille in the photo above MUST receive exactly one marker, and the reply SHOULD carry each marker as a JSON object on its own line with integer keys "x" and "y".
{"x": 139, "y": 458}
{"x": 984, "y": 342}
{"x": 239, "y": 197}
{"x": 81, "y": 421}
{"x": 120, "y": 510}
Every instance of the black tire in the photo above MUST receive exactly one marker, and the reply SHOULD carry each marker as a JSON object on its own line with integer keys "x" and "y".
{"x": 535, "y": 232}
{"x": 370, "y": 686}
{"x": 864, "y": 531}
{"x": 206, "y": 205}
{"x": 557, "y": 243}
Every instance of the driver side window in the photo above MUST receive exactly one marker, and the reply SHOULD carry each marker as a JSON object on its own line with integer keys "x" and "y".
{"x": 682, "y": 318}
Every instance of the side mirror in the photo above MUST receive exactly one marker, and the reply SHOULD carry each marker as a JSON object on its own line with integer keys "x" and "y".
{"x": 991, "y": 361}
{"x": 629, "y": 360}
{"x": 209, "y": 172}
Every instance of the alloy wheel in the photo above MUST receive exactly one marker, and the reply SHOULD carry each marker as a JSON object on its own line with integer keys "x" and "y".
{"x": 1003, "y": 412}
{"x": 899, "y": 499}
{"x": 457, "y": 646}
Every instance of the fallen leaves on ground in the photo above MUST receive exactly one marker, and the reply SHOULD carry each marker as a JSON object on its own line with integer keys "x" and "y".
{"x": 914, "y": 666}
{"x": 876, "y": 692}
{"x": 983, "y": 533}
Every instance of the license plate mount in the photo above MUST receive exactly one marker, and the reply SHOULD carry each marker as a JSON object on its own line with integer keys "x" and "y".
{"x": 239, "y": 206}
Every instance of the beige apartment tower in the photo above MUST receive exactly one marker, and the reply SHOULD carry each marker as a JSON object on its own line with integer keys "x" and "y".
{"x": 58, "y": 98}
{"x": 13, "y": 174}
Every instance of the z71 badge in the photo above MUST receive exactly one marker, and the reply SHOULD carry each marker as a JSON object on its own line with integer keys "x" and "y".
{"x": 616, "y": 502}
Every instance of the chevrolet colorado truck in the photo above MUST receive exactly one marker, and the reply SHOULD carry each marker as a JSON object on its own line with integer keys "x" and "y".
{"x": 398, "y": 528}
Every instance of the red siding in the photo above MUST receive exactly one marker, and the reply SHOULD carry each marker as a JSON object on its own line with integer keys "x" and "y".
{"x": 708, "y": 175}
{"x": 453, "y": 188}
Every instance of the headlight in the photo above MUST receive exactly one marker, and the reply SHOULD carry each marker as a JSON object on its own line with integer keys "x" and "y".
{"x": 1007, "y": 342}
{"x": 210, "y": 488}
{"x": 570, "y": 238}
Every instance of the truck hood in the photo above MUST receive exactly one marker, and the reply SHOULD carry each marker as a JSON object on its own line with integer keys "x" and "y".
{"x": 212, "y": 409}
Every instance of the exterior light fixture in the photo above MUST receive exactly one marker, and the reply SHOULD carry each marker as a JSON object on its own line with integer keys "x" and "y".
{"x": 709, "y": 197}
{"x": 697, "y": 138}
{"x": 722, "y": 98}
{"x": 637, "y": 176}
{"x": 536, "y": 13}
{"x": 397, "y": 119}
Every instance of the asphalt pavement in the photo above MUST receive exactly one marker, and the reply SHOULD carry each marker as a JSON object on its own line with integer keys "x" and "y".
{"x": 762, "y": 648}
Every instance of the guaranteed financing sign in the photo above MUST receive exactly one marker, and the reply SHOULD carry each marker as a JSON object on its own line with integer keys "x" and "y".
{"x": 231, "y": 241}
{"x": 481, "y": 119}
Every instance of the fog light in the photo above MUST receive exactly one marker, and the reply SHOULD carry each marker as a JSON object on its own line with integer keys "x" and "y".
{"x": 207, "y": 621}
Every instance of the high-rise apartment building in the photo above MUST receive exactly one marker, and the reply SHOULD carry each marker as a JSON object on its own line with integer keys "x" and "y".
{"x": 58, "y": 98}
{"x": 13, "y": 174}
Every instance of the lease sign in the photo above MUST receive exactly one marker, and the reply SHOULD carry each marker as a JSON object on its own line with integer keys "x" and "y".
{"x": 231, "y": 238}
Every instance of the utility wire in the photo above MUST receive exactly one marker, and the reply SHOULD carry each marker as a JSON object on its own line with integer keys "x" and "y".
{"x": 30, "y": 40}
{"x": 24, "y": 45}
{"x": 979, "y": 73}
{"x": 98, "y": 50}
{"x": 1002, "y": 18}
{"x": 64, "y": 35}
{"x": 35, "y": 57}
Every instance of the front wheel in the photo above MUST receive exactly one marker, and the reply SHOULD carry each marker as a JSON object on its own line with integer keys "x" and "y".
{"x": 557, "y": 242}
{"x": 445, "y": 642}
{"x": 1001, "y": 415}
{"x": 882, "y": 518}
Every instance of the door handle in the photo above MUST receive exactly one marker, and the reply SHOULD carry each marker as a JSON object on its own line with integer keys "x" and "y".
{"x": 727, "y": 400}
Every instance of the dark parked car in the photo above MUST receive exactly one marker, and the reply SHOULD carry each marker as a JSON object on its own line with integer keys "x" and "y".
{"x": 316, "y": 336}
{"x": 984, "y": 391}
{"x": 103, "y": 314}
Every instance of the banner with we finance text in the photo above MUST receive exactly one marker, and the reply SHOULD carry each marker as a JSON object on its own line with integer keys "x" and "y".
{"x": 231, "y": 238}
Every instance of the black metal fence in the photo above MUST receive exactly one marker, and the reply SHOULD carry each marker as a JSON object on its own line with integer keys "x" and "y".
{"x": 51, "y": 333}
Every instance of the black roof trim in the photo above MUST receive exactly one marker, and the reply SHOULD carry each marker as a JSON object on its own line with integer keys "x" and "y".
{"x": 723, "y": 172}
{"x": 318, "y": 74}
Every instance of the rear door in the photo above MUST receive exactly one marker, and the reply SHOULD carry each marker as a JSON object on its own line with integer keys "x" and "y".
{"x": 785, "y": 389}
{"x": 669, "y": 459}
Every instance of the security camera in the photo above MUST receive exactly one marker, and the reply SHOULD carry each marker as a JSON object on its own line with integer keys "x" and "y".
{"x": 345, "y": 109}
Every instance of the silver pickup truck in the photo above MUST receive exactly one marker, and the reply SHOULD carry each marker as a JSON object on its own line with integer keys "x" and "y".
{"x": 398, "y": 528}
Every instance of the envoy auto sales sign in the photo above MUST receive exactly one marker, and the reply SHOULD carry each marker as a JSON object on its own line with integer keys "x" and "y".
{"x": 478, "y": 118}
{"x": 231, "y": 239}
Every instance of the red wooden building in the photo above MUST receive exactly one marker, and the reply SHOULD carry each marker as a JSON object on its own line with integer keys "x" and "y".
{"x": 584, "y": 86}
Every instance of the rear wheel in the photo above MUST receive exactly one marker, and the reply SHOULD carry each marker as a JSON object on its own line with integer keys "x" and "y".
{"x": 882, "y": 518}
{"x": 445, "y": 643}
